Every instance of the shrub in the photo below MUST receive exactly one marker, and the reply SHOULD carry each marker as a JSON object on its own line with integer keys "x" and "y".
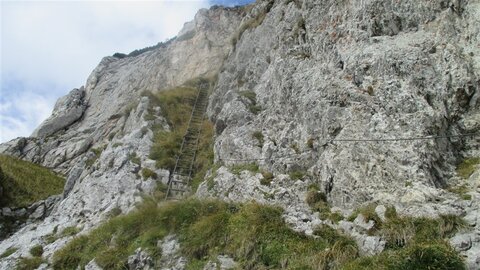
{"x": 147, "y": 173}
{"x": 297, "y": 174}
{"x": 36, "y": 250}
{"x": 259, "y": 137}
{"x": 310, "y": 142}
{"x": 134, "y": 158}
{"x": 252, "y": 102}
{"x": 24, "y": 183}
{"x": 267, "y": 178}
{"x": 29, "y": 263}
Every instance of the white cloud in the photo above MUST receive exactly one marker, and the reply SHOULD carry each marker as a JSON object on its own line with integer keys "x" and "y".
{"x": 59, "y": 43}
{"x": 22, "y": 113}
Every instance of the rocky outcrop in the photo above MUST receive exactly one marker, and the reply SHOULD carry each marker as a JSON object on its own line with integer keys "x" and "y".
{"x": 67, "y": 110}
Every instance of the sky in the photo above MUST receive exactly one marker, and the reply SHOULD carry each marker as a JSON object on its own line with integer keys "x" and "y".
{"x": 50, "y": 47}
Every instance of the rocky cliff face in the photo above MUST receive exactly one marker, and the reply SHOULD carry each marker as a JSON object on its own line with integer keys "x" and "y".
{"x": 298, "y": 83}
{"x": 98, "y": 135}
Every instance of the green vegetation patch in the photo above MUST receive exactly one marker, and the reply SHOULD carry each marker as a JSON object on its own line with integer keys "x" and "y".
{"x": 26, "y": 263}
{"x": 318, "y": 202}
{"x": 147, "y": 173}
{"x": 259, "y": 137}
{"x": 255, "y": 235}
{"x": 467, "y": 167}
{"x": 251, "y": 96}
{"x": 8, "y": 252}
{"x": 237, "y": 169}
{"x": 24, "y": 182}
{"x": 177, "y": 105}
{"x": 425, "y": 256}
{"x": 412, "y": 243}
{"x": 36, "y": 250}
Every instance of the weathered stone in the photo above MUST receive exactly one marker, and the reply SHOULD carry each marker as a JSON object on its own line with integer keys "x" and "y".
{"x": 461, "y": 242}
{"x": 67, "y": 110}
{"x": 140, "y": 261}
{"x": 39, "y": 212}
{"x": 92, "y": 265}
{"x": 380, "y": 211}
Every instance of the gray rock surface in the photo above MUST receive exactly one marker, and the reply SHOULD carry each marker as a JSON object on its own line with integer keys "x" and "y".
{"x": 172, "y": 258}
{"x": 67, "y": 110}
{"x": 140, "y": 261}
{"x": 322, "y": 73}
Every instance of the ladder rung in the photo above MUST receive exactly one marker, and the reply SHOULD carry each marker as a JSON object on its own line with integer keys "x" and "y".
{"x": 178, "y": 181}
{"x": 176, "y": 189}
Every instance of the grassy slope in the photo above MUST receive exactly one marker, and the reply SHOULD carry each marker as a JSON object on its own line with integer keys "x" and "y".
{"x": 177, "y": 109}
{"x": 24, "y": 183}
{"x": 255, "y": 235}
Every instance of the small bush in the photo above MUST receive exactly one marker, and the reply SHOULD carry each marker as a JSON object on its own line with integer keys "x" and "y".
{"x": 253, "y": 107}
{"x": 259, "y": 137}
{"x": 36, "y": 251}
{"x": 29, "y": 263}
{"x": 267, "y": 178}
{"x": 147, "y": 173}
{"x": 310, "y": 142}
{"x": 297, "y": 174}
{"x": 134, "y": 158}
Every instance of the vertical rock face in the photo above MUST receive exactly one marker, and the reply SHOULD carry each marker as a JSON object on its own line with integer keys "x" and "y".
{"x": 299, "y": 82}
{"x": 329, "y": 70}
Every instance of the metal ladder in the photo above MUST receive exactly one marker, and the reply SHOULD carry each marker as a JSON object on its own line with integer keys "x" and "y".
{"x": 180, "y": 178}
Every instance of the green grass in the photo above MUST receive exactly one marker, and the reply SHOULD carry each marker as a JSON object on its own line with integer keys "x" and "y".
{"x": 8, "y": 252}
{"x": 147, "y": 173}
{"x": 254, "y": 235}
{"x": 36, "y": 251}
{"x": 237, "y": 169}
{"x": 467, "y": 167}
{"x": 267, "y": 178}
{"x": 412, "y": 243}
{"x": 97, "y": 152}
{"x": 461, "y": 191}
{"x": 259, "y": 137}
{"x": 24, "y": 182}
{"x": 297, "y": 174}
{"x": 318, "y": 202}
{"x": 176, "y": 107}
{"x": 252, "y": 105}
{"x": 426, "y": 256}
{"x": 257, "y": 237}
{"x": 29, "y": 263}
{"x": 70, "y": 231}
